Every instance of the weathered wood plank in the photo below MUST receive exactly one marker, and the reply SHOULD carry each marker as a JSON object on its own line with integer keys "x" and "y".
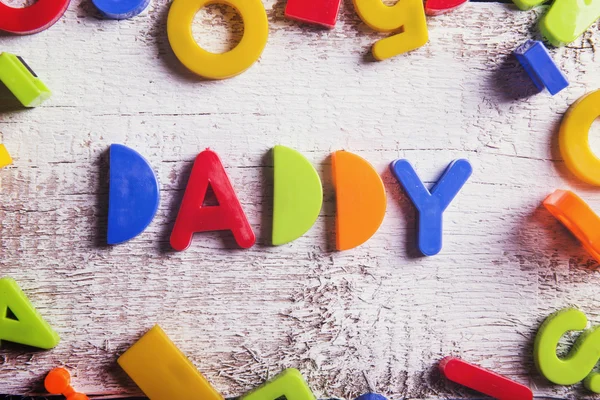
{"x": 376, "y": 316}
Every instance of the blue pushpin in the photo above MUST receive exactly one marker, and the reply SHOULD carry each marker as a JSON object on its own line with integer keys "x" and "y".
{"x": 540, "y": 67}
{"x": 121, "y": 9}
{"x": 370, "y": 396}
{"x": 133, "y": 194}
{"x": 431, "y": 205}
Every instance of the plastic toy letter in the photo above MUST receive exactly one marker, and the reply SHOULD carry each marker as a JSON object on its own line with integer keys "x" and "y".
{"x": 431, "y": 205}
{"x": 573, "y": 138}
{"x": 133, "y": 194}
{"x": 528, "y": 4}
{"x": 289, "y": 384}
{"x": 540, "y": 67}
{"x": 298, "y": 195}
{"x": 370, "y": 396}
{"x": 360, "y": 199}
{"x": 19, "y": 320}
{"x": 484, "y": 381}
{"x": 568, "y": 19}
{"x": 35, "y": 18}
{"x": 22, "y": 81}
{"x": 5, "y": 158}
{"x": 578, "y": 217}
{"x": 580, "y": 362}
{"x": 163, "y": 372}
{"x": 438, "y": 7}
{"x": 121, "y": 9}
{"x": 211, "y": 65}
{"x": 320, "y": 12}
{"x": 194, "y": 217}
{"x": 407, "y": 16}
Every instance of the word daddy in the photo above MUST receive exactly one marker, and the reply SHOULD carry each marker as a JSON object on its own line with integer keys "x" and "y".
{"x": 298, "y": 196}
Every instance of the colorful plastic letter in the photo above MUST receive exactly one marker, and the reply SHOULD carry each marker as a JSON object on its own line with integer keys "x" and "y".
{"x": 298, "y": 195}
{"x": 58, "y": 381}
{"x": 360, "y": 199}
{"x": 162, "y": 371}
{"x": 578, "y": 217}
{"x": 574, "y": 138}
{"x": 39, "y": 16}
{"x": 438, "y": 7}
{"x": 484, "y": 381}
{"x": 568, "y": 19}
{"x": 211, "y": 65}
{"x": 579, "y": 363}
{"x": 320, "y": 12}
{"x": 121, "y": 9}
{"x": 540, "y": 67}
{"x": 371, "y": 396}
{"x": 431, "y": 205}
{"x": 528, "y": 4}
{"x": 194, "y": 217}
{"x": 5, "y": 158}
{"x": 289, "y": 384}
{"x": 22, "y": 81}
{"x": 407, "y": 16}
{"x": 19, "y": 320}
{"x": 133, "y": 194}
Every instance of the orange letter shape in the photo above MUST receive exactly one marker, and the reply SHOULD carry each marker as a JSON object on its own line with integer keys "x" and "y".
{"x": 578, "y": 217}
{"x": 360, "y": 199}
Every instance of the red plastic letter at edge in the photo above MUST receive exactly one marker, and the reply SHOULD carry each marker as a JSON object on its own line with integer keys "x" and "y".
{"x": 483, "y": 381}
{"x": 320, "y": 12}
{"x": 193, "y": 217}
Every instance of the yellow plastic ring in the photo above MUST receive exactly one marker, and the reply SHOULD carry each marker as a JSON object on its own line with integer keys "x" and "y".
{"x": 211, "y": 65}
{"x": 574, "y": 138}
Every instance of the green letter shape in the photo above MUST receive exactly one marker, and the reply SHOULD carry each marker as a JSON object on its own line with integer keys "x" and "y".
{"x": 289, "y": 383}
{"x": 29, "y": 328}
{"x": 581, "y": 359}
{"x": 21, "y": 81}
{"x": 528, "y": 4}
{"x": 297, "y": 197}
{"x": 568, "y": 19}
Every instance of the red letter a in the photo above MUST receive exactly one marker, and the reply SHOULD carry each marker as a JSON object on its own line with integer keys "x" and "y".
{"x": 193, "y": 217}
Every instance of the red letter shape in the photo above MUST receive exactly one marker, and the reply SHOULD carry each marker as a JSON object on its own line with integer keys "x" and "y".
{"x": 438, "y": 7}
{"x": 320, "y": 12}
{"x": 193, "y": 217}
{"x": 484, "y": 381}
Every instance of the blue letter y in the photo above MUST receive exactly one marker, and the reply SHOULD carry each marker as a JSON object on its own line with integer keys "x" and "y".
{"x": 431, "y": 205}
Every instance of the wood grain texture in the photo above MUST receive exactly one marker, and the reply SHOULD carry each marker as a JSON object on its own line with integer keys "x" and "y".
{"x": 376, "y": 317}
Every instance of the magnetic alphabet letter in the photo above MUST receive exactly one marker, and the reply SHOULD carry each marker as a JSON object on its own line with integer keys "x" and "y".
{"x": 579, "y": 363}
{"x": 19, "y": 320}
{"x": 540, "y": 67}
{"x": 162, "y": 371}
{"x": 289, "y": 384}
{"x": 194, "y": 217}
{"x": 406, "y": 18}
{"x": 484, "y": 381}
{"x": 431, "y": 205}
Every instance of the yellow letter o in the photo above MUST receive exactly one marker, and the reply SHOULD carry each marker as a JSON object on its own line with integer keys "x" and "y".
{"x": 211, "y": 65}
{"x": 574, "y": 138}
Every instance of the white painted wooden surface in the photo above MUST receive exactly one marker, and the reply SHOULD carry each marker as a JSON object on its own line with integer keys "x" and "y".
{"x": 378, "y": 316}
